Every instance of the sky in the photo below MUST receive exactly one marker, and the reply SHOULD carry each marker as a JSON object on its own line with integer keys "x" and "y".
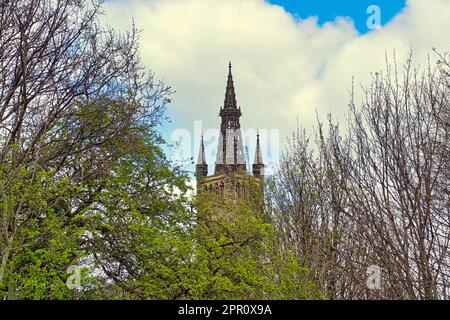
{"x": 293, "y": 61}
{"x": 327, "y": 11}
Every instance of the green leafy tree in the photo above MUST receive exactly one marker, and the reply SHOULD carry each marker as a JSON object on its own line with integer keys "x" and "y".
{"x": 42, "y": 246}
{"x": 74, "y": 105}
{"x": 238, "y": 255}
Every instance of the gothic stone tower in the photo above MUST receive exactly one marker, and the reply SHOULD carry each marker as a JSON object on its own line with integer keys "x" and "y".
{"x": 230, "y": 167}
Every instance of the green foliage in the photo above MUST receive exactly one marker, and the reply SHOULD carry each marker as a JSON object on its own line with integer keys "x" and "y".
{"x": 239, "y": 257}
{"x": 41, "y": 241}
{"x": 138, "y": 240}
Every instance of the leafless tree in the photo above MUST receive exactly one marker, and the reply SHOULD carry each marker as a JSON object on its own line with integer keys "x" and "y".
{"x": 378, "y": 195}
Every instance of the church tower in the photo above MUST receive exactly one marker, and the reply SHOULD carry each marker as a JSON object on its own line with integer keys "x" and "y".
{"x": 230, "y": 167}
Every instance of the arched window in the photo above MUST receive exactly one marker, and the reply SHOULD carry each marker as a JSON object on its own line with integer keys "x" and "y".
{"x": 238, "y": 190}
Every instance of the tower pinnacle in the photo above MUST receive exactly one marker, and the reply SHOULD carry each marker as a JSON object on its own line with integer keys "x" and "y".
{"x": 258, "y": 164}
{"x": 201, "y": 153}
{"x": 230, "y": 178}
{"x": 201, "y": 168}
{"x": 230, "y": 95}
{"x": 230, "y": 149}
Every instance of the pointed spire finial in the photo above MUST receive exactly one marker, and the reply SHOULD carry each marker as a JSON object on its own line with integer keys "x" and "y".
{"x": 230, "y": 96}
{"x": 201, "y": 152}
{"x": 258, "y": 153}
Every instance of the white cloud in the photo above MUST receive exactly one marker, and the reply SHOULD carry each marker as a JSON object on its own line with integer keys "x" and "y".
{"x": 283, "y": 68}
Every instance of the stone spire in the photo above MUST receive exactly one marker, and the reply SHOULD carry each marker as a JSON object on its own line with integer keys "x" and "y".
{"x": 201, "y": 168}
{"x": 231, "y": 176}
{"x": 230, "y": 95}
{"x": 230, "y": 150}
{"x": 258, "y": 163}
{"x": 201, "y": 153}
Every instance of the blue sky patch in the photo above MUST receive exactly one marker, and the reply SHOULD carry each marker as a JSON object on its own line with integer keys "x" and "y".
{"x": 328, "y": 10}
